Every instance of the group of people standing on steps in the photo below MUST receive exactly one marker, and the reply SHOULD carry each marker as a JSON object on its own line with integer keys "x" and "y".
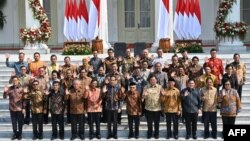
{"x": 96, "y": 91}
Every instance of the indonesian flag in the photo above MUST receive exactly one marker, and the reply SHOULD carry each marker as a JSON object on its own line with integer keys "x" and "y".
{"x": 197, "y": 20}
{"x": 181, "y": 19}
{"x": 66, "y": 21}
{"x": 186, "y": 20}
{"x": 191, "y": 19}
{"x": 176, "y": 20}
{"x": 94, "y": 19}
{"x": 163, "y": 23}
{"x": 83, "y": 20}
{"x": 75, "y": 20}
{"x": 70, "y": 24}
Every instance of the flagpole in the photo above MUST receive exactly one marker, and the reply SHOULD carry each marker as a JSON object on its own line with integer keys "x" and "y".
{"x": 171, "y": 24}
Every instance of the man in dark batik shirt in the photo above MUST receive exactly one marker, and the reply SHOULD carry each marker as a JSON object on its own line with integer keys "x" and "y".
{"x": 16, "y": 106}
{"x": 57, "y": 106}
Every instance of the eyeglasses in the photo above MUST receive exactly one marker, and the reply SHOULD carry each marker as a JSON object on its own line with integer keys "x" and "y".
{"x": 35, "y": 84}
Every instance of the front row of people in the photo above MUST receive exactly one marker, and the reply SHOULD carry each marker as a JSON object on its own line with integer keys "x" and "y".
{"x": 189, "y": 102}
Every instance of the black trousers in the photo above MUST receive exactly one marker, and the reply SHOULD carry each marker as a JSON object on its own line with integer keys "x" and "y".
{"x": 57, "y": 119}
{"x": 37, "y": 120}
{"x": 240, "y": 91}
{"x": 172, "y": 117}
{"x": 119, "y": 117}
{"x": 153, "y": 117}
{"x": 112, "y": 118}
{"x": 226, "y": 120}
{"x": 68, "y": 112}
{"x": 133, "y": 119}
{"x": 210, "y": 117}
{"x": 191, "y": 119}
{"x": 27, "y": 112}
{"x": 94, "y": 118}
{"x": 80, "y": 120}
{"x": 104, "y": 111}
{"x": 17, "y": 121}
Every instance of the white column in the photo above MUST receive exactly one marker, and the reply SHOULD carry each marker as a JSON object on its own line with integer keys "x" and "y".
{"x": 229, "y": 44}
{"x": 171, "y": 24}
{"x": 103, "y": 31}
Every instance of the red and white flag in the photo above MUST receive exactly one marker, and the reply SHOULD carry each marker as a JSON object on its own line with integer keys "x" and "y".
{"x": 197, "y": 20}
{"x": 70, "y": 24}
{"x": 176, "y": 20}
{"x": 191, "y": 19}
{"x": 181, "y": 19}
{"x": 74, "y": 23}
{"x": 163, "y": 23}
{"x": 83, "y": 20}
{"x": 186, "y": 20}
{"x": 66, "y": 21}
{"x": 94, "y": 19}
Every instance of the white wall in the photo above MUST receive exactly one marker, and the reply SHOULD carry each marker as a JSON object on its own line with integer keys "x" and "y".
{"x": 112, "y": 21}
{"x": 60, "y": 12}
{"x": 208, "y": 13}
{"x": 10, "y": 33}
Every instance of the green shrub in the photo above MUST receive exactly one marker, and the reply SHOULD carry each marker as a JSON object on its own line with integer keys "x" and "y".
{"x": 77, "y": 49}
{"x": 190, "y": 47}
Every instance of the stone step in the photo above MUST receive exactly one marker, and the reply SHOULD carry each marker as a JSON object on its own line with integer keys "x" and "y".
{"x": 243, "y": 116}
{"x": 122, "y": 135}
{"x": 7, "y": 126}
{"x": 4, "y": 103}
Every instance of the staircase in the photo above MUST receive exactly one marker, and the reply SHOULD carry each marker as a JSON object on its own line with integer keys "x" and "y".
{"x": 6, "y": 127}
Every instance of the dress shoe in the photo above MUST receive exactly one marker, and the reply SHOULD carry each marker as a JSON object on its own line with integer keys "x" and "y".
{"x": 156, "y": 136}
{"x": 20, "y": 137}
{"x": 34, "y": 138}
{"x": 98, "y": 136}
{"x": 61, "y": 137}
{"x": 136, "y": 137}
{"x": 130, "y": 136}
{"x": 73, "y": 138}
{"x": 176, "y": 137}
{"x": 194, "y": 137}
{"x": 115, "y": 137}
{"x": 168, "y": 137}
{"x": 14, "y": 137}
{"x": 91, "y": 137}
{"x": 187, "y": 137}
{"x": 214, "y": 137}
{"x": 40, "y": 137}
{"x": 53, "y": 137}
{"x": 205, "y": 137}
{"x": 149, "y": 136}
{"x": 109, "y": 137}
{"x": 82, "y": 137}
